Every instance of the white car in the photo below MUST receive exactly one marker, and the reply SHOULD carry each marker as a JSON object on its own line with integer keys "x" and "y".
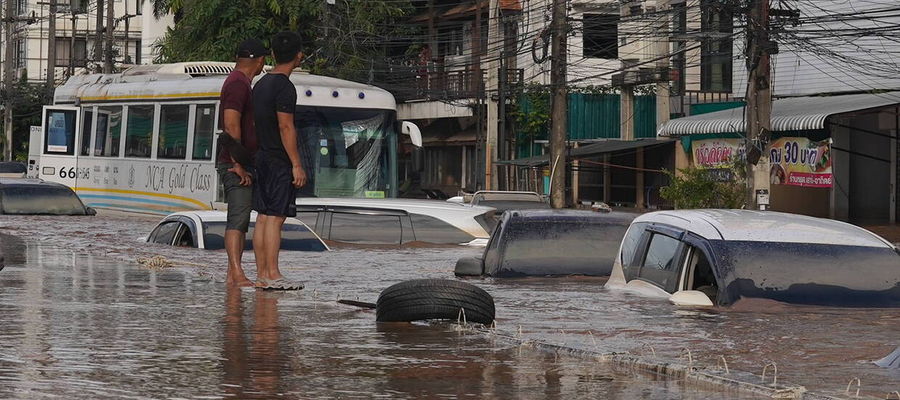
{"x": 717, "y": 257}
{"x": 396, "y": 221}
{"x": 206, "y": 230}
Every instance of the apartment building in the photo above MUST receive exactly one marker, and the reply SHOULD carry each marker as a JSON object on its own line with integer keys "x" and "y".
{"x": 76, "y": 37}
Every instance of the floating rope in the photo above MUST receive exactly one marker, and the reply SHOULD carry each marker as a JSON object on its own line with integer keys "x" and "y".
{"x": 159, "y": 263}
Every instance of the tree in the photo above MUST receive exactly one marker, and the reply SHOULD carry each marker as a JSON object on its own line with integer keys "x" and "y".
{"x": 707, "y": 188}
{"x": 346, "y": 39}
{"x": 26, "y": 100}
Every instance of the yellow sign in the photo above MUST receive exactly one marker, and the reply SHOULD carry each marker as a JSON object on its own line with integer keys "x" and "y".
{"x": 798, "y": 161}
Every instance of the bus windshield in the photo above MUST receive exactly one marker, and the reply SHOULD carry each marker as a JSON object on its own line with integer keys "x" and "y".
{"x": 346, "y": 149}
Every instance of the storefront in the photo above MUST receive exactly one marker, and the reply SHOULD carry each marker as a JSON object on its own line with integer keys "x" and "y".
{"x": 828, "y": 156}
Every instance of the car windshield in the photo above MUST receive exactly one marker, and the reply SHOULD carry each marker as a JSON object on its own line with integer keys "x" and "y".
{"x": 808, "y": 273}
{"x": 347, "y": 149}
{"x": 40, "y": 199}
{"x": 565, "y": 247}
{"x": 294, "y": 237}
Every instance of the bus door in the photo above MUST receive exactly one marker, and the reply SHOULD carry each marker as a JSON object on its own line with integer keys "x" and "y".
{"x": 59, "y": 155}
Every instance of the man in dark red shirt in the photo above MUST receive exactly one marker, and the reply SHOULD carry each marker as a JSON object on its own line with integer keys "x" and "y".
{"x": 236, "y": 120}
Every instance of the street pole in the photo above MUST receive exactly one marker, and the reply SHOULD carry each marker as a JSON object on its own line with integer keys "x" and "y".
{"x": 98, "y": 34}
{"x": 110, "y": 25}
{"x": 558, "y": 113}
{"x": 493, "y": 69}
{"x": 71, "y": 69}
{"x": 51, "y": 47}
{"x": 759, "y": 101}
{"x": 8, "y": 74}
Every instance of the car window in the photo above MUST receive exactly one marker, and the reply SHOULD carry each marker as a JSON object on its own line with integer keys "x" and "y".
{"x": 579, "y": 247}
{"x": 432, "y": 230}
{"x": 39, "y": 199}
{"x": 492, "y": 252}
{"x": 165, "y": 232}
{"x": 184, "y": 237}
{"x": 298, "y": 237}
{"x": 660, "y": 264}
{"x": 630, "y": 243}
{"x": 366, "y": 229}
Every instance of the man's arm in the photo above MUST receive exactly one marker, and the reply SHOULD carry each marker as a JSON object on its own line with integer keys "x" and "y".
{"x": 289, "y": 140}
{"x": 231, "y": 119}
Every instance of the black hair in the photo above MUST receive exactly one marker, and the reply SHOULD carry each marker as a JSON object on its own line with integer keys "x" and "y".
{"x": 285, "y": 46}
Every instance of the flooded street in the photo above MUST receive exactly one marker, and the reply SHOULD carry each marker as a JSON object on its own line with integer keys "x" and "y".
{"x": 80, "y": 318}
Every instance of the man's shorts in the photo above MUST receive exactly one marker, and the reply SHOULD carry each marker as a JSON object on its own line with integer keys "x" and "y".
{"x": 239, "y": 199}
{"x": 273, "y": 189}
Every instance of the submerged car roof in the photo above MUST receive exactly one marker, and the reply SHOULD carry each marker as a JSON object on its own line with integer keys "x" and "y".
{"x": 766, "y": 226}
{"x": 569, "y": 215}
{"x": 216, "y": 216}
{"x": 29, "y": 182}
{"x": 419, "y": 206}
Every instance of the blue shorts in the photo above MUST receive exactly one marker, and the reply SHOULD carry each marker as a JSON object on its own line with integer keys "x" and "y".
{"x": 273, "y": 189}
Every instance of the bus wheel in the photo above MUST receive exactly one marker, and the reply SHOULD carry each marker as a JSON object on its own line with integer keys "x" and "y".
{"x": 429, "y": 299}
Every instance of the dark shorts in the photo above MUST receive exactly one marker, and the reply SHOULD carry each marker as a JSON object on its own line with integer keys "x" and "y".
{"x": 239, "y": 199}
{"x": 273, "y": 190}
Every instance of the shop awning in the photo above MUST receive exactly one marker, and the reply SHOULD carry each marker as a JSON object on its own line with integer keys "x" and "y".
{"x": 594, "y": 149}
{"x": 791, "y": 114}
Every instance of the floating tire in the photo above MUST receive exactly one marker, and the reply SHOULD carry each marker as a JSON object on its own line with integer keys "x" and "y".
{"x": 424, "y": 299}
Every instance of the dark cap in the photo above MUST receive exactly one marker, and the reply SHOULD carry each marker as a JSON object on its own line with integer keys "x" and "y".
{"x": 251, "y": 48}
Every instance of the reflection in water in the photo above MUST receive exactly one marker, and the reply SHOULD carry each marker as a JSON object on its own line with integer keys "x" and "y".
{"x": 253, "y": 368}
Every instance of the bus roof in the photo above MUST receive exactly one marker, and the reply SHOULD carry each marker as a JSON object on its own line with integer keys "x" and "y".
{"x": 203, "y": 80}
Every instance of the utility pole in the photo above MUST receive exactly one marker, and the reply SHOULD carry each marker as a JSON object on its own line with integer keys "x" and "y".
{"x": 110, "y": 26}
{"x": 98, "y": 33}
{"x": 9, "y": 66}
{"x": 51, "y": 47}
{"x": 493, "y": 74}
{"x": 71, "y": 69}
{"x": 759, "y": 100}
{"x": 558, "y": 114}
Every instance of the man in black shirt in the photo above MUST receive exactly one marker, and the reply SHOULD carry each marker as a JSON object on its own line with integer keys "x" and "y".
{"x": 278, "y": 169}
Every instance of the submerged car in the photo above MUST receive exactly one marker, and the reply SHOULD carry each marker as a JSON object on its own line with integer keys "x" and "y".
{"x": 38, "y": 197}
{"x": 12, "y": 169}
{"x": 508, "y": 200}
{"x": 206, "y": 230}
{"x": 550, "y": 243}
{"x": 717, "y": 257}
{"x": 395, "y": 221}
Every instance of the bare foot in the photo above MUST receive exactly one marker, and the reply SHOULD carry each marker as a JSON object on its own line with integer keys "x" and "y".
{"x": 240, "y": 281}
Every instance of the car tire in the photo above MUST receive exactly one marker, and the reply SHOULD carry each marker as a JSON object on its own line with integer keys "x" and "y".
{"x": 424, "y": 299}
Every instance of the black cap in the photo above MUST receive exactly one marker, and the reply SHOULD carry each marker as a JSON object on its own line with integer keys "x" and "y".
{"x": 251, "y": 48}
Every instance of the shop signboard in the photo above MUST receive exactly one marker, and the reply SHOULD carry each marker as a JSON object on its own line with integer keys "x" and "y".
{"x": 798, "y": 161}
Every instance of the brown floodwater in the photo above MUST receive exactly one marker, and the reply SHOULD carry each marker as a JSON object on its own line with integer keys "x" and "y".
{"x": 80, "y": 318}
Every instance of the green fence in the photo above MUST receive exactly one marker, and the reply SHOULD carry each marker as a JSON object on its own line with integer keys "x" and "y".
{"x": 596, "y": 116}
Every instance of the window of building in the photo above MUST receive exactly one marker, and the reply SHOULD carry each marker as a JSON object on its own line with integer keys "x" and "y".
{"x": 108, "y": 132}
{"x": 601, "y": 36}
{"x": 203, "y": 131}
{"x": 78, "y": 6}
{"x": 173, "y": 132}
{"x": 87, "y": 119}
{"x": 717, "y": 24}
{"x": 21, "y": 7}
{"x": 21, "y": 53}
{"x": 64, "y": 52}
{"x": 139, "y": 131}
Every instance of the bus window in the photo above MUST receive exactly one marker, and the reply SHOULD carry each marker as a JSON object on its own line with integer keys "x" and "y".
{"x": 203, "y": 131}
{"x": 109, "y": 130}
{"x": 87, "y": 118}
{"x": 139, "y": 131}
{"x": 60, "y": 132}
{"x": 173, "y": 129}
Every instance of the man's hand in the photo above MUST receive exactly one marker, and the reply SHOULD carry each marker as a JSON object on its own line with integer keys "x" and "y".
{"x": 241, "y": 173}
{"x": 299, "y": 176}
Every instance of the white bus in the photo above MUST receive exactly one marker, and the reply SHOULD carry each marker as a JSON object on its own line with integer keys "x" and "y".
{"x": 145, "y": 140}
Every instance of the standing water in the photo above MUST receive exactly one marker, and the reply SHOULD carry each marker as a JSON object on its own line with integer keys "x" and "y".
{"x": 79, "y": 318}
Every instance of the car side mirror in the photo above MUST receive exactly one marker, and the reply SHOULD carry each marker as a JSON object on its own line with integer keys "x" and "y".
{"x": 90, "y": 211}
{"x": 690, "y": 298}
{"x": 412, "y": 130}
{"x": 469, "y": 266}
